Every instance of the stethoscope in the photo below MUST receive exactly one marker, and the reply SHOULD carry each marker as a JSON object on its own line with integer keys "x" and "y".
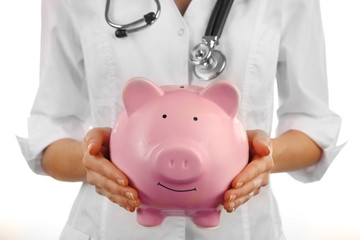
{"x": 208, "y": 63}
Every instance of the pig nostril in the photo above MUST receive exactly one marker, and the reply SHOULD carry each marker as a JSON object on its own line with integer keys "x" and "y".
{"x": 185, "y": 164}
{"x": 172, "y": 163}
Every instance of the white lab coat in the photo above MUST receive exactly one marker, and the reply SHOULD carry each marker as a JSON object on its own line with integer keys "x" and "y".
{"x": 84, "y": 67}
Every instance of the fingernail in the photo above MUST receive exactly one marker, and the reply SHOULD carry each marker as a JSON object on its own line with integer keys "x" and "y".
{"x": 90, "y": 146}
{"x": 239, "y": 185}
{"x": 269, "y": 149}
{"x": 134, "y": 203}
{"x": 232, "y": 197}
{"x": 232, "y": 206}
{"x": 130, "y": 195}
{"x": 121, "y": 182}
{"x": 130, "y": 209}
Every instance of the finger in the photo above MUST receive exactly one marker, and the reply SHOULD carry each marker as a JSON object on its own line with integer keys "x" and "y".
{"x": 235, "y": 193}
{"x": 230, "y": 206}
{"x": 120, "y": 200}
{"x": 256, "y": 167}
{"x": 98, "y": 180}
{"x": 106, "y": 168}
{"x": 259, "y": 142}
{"x": 95, "y": 139}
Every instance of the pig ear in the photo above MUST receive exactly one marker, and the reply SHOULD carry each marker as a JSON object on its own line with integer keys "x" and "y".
{"x": 224, "y": 94}
{"x": 137, "y": 92}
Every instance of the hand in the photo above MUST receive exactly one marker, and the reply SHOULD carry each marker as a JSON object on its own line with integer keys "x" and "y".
{"x": 255, "y": 175}
{"x": 108, "y": 180}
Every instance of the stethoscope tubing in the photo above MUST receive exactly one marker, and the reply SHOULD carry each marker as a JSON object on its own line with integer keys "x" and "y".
{"x": 218, "y": 18}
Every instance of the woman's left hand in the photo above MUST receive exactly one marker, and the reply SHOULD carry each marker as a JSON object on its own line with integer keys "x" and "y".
{"x": 255, "y": 175}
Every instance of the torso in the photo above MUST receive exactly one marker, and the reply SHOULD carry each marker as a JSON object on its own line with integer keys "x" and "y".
{"x": 250, "y": 42}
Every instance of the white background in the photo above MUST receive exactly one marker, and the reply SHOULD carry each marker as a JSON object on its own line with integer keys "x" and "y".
{"x": 35, "y": 207}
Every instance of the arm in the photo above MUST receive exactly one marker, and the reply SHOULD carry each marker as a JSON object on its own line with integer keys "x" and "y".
{"x": 294, "y": 150}
{"x": 291, "y": 151}
{"x": 304, "y": 115}
{"x": 71, "y": 160}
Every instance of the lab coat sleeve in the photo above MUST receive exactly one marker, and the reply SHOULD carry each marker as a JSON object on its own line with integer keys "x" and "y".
{"x": 61, "y": 105}
{"x": 302, "y": 84}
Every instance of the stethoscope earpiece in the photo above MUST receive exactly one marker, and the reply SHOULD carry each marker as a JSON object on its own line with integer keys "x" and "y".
{"x": 120, "y": 33}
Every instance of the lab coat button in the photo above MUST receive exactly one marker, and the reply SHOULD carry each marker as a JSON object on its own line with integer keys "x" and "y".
{"x": 181, "y": 32}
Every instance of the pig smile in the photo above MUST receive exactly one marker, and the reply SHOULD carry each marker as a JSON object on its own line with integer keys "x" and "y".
{"x": 174, "y": 190}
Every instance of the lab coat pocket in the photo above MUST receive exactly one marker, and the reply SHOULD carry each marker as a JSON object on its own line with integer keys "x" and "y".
{"x": 69, "y": 232}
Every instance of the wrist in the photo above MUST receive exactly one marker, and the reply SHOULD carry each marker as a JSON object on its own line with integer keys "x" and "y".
{"x": 278, "y": 149}
{"x": 62, "y": 160}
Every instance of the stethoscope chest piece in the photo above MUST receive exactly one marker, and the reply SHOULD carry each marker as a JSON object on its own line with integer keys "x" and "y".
{"x": 208, "y": 64}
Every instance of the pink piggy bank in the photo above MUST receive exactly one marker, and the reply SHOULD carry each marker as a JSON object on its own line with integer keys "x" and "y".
{"x": 181, "y": 147}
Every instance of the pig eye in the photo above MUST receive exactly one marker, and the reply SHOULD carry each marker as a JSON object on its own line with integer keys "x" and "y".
{"x": 164, "y": 116}
{"x": 195, "y": 118}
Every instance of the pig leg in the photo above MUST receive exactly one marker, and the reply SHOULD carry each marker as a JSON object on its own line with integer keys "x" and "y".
{"x": 207, "y": 218}
{"x": 149, "y": 217}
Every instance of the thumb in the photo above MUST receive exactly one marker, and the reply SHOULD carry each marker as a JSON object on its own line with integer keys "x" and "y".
{"x": 95, "y": 139}
{"x": 259, "y": 142}
{"x": 262, "y": 147}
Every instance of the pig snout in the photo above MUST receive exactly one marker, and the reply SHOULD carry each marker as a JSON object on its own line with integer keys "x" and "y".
{"x": 179, "y": 164}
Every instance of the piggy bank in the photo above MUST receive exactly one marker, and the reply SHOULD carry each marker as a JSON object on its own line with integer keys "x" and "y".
{"x": 180, "y": 147}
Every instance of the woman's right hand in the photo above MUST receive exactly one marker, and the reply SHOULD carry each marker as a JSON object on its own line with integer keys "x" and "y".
{"x": 108, "y": 180}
